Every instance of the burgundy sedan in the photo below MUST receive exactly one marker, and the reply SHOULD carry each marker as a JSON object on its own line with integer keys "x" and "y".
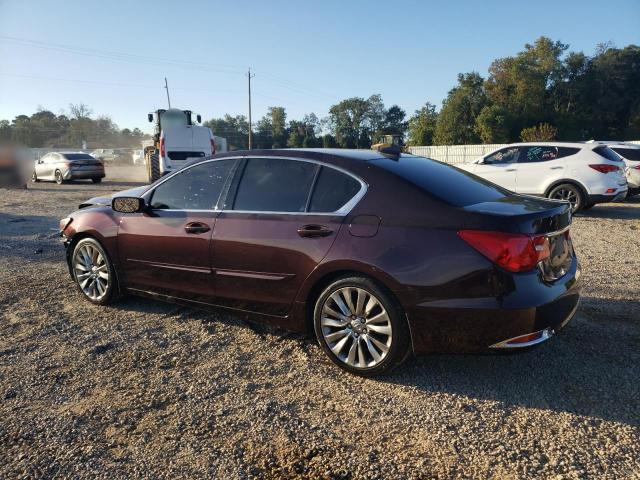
{"x": 379, "y": 255}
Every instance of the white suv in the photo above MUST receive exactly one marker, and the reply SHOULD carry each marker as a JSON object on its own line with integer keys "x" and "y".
{"x": 630, "y": 153}
{"x": 581, "y": 173}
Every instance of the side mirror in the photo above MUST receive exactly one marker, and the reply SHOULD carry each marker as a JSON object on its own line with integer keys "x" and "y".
{"x": 150, "y": 117}
{"x": 127, "y": 204}
{"x": 199, "y": 118}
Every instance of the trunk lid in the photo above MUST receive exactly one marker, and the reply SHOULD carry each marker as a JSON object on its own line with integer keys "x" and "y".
{"x": 536, "y": 217}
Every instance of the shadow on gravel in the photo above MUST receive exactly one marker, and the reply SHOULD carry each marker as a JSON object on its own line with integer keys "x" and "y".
{"x": 590, "y": 368}
{"x": 626, "y": 210}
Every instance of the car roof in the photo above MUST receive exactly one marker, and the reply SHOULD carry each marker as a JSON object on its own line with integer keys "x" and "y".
{"x": 554, "y": 144}
{"x": 352, "y": 154}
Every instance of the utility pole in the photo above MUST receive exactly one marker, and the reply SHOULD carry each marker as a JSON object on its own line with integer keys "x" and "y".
{"x": 166, "y": 86}
{"x": 249, "y": 77}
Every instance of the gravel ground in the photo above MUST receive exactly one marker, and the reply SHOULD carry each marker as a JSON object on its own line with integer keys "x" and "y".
{"x": 147, "y": 389}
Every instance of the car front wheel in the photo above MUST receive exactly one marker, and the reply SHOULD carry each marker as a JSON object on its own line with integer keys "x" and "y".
{"x": 93, "y": 272}
{"x": 58, "y": 177}
{"x": 361, "y": 327}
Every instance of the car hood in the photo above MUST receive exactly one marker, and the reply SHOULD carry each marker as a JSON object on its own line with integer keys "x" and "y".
{"x": 102, "y": 201}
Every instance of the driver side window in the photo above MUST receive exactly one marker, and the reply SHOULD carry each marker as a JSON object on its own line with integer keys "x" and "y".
{"x": 195, "y": 188}
{"x": 504, "y": 156}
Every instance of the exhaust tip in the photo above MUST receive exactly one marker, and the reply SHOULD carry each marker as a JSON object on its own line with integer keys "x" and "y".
{"x": 526, "y": 340}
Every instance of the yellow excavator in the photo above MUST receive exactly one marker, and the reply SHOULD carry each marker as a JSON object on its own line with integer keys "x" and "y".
{"x": 390, "y": 143}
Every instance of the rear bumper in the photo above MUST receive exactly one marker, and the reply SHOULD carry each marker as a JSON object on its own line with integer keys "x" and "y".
{"x": 614, "y": 197}
{"x": 83, "y": 174}
{"x": 475, "y": 325}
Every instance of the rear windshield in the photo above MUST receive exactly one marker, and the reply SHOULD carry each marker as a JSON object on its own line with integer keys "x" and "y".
{"x": 607, "y": 153}
{"x": 628, "y": 153}
{"x": 78, "y": 156}
{"x": 447, "y": 183}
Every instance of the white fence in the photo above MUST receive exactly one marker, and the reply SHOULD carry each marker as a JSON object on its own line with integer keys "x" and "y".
{"x": 460, "y": 153}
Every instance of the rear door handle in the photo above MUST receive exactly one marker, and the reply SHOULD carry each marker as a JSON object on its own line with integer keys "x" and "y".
{"x": 314, "y": 231}
{"x": 557, "y": 168}
{"x": 510, "y": 170}
{"x": 196, "y": 227}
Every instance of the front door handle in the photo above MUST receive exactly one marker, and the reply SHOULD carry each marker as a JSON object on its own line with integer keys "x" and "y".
{"x": 557, "y": 168}
{"x": 196, "y": 227}
{"x": 314, "y": 231}
{"x": 510, "y": 170}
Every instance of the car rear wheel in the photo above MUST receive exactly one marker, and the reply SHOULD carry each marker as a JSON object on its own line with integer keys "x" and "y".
{"x": 93, "y": 272}
{"x": 34, "y": 177}
{"x": 360, "y": 327}
{"x": 570, "y": 193}
{"x": 58, "y": 177}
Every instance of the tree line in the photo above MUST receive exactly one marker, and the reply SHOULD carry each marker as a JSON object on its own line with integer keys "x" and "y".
{"x": 544, "y": 92}
{"x": 68, "y": 130}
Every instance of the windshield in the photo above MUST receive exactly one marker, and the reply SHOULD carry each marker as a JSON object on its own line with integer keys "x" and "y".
{"x": 173, "y": 118}
{"x": 78, "y": 156}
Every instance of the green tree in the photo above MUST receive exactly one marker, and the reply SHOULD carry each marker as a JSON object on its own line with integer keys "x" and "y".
{"x": 422, "y": 125}
{"x": 492, "y": 125}
{"x": 540, "y": 133}
{"x": 457, "y": 118}
{"x": 348, "y": 120}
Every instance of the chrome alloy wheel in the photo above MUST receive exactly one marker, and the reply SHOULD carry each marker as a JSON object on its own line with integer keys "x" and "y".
{"x": 568, "y": 195}
{"x": 356, "y": 327}
{"x": 91, "y": 271}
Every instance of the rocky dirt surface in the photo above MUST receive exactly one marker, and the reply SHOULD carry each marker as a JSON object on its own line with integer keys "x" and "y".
{"x": 147, "y": 389}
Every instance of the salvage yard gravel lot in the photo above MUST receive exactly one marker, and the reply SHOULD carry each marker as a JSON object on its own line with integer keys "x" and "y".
{"x": 148, "y": 389}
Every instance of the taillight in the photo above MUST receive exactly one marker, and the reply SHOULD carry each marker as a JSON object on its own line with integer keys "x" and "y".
{"x": 514, "y": 252}
{"x": 213, "y": 147}
{"x": 604, "y": 168}
{"x": 637, "y": 167}
{"x": 162, "y": 147}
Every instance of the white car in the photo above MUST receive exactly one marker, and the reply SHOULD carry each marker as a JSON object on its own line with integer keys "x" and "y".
{"x": 630, "y": 153}
{"x": 581, "y": 173}
{"x": 137, "y": 157}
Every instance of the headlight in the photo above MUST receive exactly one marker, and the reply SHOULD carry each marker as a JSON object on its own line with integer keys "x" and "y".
{"x": 64, "y": 223}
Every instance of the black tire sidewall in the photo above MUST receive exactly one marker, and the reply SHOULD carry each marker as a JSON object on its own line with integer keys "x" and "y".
{"x": 400, "y": 345}
{"x": 577, "y": 190}
{"x": 58, "y": 177}
{"x": 112, "y": 286}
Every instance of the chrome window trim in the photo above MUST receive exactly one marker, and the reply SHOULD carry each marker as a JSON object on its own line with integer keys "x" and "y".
{"x": 341, "y": 212}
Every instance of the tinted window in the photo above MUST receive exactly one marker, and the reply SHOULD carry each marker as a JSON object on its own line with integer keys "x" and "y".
{"x": 567, "y": 151}
{"x": 196, "y": 188}
{"x": 607, "y": 153}
{"x": 506, "y": 155}
{"x": 78, "y": 156}
{"x": 275, "y": 185}
{"x": 333, "y": 189}
{"x": 628, "y": 153}
{"x": 538, "y": 154}
{"x": 449, "y": 184}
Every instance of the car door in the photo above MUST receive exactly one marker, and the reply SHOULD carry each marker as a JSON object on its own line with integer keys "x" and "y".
{"x": 165, "y": 249}
{"x": 275, "y": 229}
{"x": 41, "y": 167}
{"x": 500, "y": 167}
{"x": 538, "y": 167}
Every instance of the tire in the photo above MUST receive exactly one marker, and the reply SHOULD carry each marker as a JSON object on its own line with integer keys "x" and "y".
{"x": 34, "y": 177}
{"x": 571, "y": 193}
{"x": 58, "y": 177}
{"x": 93, "y": 272}
{"x": 96, "y": 180}
{"x": 359, "y": 347}
{"x": 153, "y": 167}
{"x": 588, "y": 206}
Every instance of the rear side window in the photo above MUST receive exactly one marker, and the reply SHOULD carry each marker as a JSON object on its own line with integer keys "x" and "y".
{"x": 275, "y": 185}
{"x": 195, "y": 188}
{"x": 567, "y": 151}
{"x": 632, "y": 154}
{"x": 445, "y": 182}
{"x": 333, "y": 190}
{"x": 607, "y": 153}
